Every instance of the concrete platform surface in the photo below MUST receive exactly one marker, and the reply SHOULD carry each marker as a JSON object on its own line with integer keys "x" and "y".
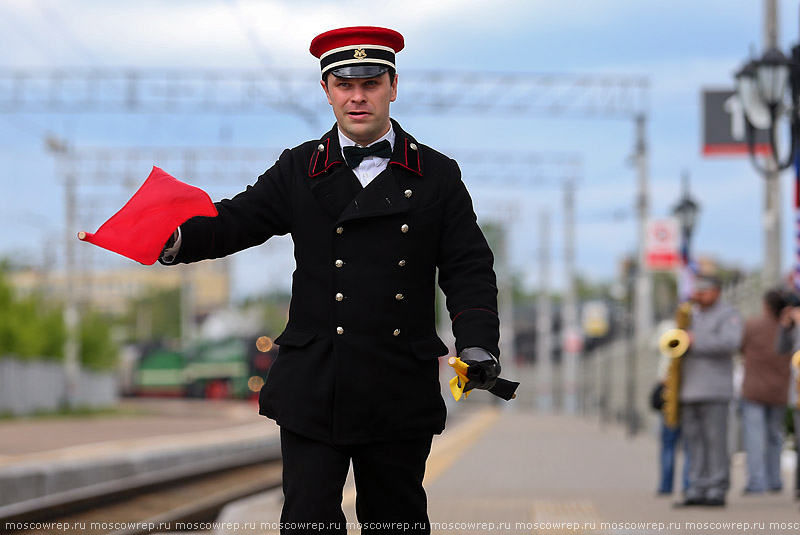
{"x": 538, "y": 473}
{"x": 552, "y": 474}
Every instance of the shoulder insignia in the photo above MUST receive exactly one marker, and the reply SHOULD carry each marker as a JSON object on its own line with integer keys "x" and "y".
{"x": 409, "y": 157}
{"x": 321, "y": 159}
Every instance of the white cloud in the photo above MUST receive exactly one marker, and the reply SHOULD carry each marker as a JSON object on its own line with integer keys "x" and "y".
{"x": 207, "y": 33}
{"x": 695, "y": 45}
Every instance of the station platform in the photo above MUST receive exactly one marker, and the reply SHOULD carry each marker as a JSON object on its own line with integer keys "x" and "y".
{"x": 555, "y": 474}
{"x": 537, "y": 473}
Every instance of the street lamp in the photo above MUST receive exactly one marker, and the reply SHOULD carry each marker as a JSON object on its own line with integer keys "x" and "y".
{"x": 686, "y": 212}
{"x": 761, "y": 86}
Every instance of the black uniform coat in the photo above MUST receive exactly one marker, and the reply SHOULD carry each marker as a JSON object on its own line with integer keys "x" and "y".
{"x": 358, "y": 359}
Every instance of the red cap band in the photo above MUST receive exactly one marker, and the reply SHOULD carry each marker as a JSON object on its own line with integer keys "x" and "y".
{"x": 357, "y": 46}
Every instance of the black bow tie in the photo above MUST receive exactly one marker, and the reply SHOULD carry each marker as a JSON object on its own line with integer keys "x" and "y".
{"x": 353, "y": 155}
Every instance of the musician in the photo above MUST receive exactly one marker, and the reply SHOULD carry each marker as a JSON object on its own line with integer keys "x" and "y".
{"x": 706, "y": 392}
{"x": 764, "y": 395}
{"x": 373, "y": 213}
{"x": 670, "y": 435}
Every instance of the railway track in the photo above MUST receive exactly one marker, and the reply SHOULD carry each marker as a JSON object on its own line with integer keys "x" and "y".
{"x": 168, "y": 500}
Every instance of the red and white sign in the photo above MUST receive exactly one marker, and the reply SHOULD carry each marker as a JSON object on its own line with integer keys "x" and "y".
{"x": 661, "y": 247}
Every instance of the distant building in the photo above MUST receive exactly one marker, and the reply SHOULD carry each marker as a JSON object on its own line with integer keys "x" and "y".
{"x": 111, "y": 291}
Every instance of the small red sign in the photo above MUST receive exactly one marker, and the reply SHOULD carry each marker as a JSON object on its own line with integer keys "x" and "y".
{"x": 661, "y": 245}
{"x": 664, "y": 261}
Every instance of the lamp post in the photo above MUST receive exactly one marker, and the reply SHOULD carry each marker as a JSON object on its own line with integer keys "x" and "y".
{"x": 762, "y": 85}
{"x": 769, "y": 89}
{"x": 686, "y": 212}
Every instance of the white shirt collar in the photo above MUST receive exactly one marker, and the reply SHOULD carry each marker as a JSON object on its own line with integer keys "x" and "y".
{"x": 345, "y": 141}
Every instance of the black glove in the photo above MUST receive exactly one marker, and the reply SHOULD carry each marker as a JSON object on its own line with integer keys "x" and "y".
{"x": 483, "y": 368}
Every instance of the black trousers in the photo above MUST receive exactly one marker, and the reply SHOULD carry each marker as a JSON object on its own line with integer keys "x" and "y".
{"x": 388, "y": 476}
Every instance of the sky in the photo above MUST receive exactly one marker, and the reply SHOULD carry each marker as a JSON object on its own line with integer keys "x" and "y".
{"x": 681, "y": 47}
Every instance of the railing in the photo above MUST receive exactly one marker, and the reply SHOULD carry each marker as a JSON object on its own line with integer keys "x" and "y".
{"x": 33, "y": 386}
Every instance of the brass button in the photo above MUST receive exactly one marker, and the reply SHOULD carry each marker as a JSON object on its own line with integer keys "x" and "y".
{"x": 412, "y": 146}
{"x": 408, "y": 193}
{"x": 399, "y": 297}
{"x": 339, "y": 297}
{"x": 339, "y": 330}
{"x": 320, "y": 147}
{"x": 339, "y": 230}
{"x": 404, "y": 229}
{"x": 338, "y": 263}
{"x": 396, "y": 332}
{"x": 402, "y": 263}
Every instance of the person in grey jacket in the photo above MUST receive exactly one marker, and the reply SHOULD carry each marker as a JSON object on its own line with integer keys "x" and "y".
{"x": 706, "y": 392}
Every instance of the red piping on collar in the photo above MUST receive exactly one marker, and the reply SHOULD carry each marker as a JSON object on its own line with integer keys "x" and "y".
{"x": 401, "y": 164}
{"x": 407, "y": 165}
{"x": 315, "y": 159}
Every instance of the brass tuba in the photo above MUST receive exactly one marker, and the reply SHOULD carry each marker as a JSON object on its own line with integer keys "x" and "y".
{"x": 673, "y": 344}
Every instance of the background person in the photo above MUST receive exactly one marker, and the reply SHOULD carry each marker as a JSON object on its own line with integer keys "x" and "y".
{"x": 706, "y": 392}
{"x": 765, "y": 390}
{"x": 670, "y": 435}
{"x": 789, "y": 341}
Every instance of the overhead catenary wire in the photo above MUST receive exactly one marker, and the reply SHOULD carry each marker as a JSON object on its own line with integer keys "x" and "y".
{"x": 252, "y": 37}
{"x": 24, "y": 124}
{"x": 17, "y": 25}
{"x": 54, "y": 18}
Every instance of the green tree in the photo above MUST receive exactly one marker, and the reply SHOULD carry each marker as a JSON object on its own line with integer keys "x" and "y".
{"x": 274, "y": 311}
{"x": 586, "y": 290}
{"x": 97, "y": 348}
{"x": 155, "y": 316}
{"x": 276, "y": 314}
{"x": 33, "y": 328}
{"x": 29, "y": 328}
{"x": 38, "y": 331}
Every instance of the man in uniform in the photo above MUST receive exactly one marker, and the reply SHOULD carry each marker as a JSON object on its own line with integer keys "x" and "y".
{"x": 706, "y": 392}
{"x": 373, "y": 213}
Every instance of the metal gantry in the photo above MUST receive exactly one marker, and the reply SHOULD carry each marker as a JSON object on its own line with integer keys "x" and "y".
{"x": 230, "y": 91}
{"x": 109, "y": 176}
{"x": 114, "y": 174}
{"x": 518, "y": 95}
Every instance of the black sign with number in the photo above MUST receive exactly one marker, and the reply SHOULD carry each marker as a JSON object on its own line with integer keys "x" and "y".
{"x": 724, "y": 127}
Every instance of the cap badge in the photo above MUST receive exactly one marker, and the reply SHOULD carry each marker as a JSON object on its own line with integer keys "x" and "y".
{"x": 360, "y": 53}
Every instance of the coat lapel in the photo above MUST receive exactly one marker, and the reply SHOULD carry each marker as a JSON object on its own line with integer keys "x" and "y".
{"x": 332, "y": 183}
{"x": 381, "y": 197}
{"x": 406, "y": 151}
{"x": 338, "y": 190}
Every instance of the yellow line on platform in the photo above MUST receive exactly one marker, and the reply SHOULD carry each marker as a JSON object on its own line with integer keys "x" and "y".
{"x": 562, "y": 517}
{"x": 447, "y": 447}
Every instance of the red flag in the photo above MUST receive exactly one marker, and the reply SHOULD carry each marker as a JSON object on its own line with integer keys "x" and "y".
{"x": 142, "y": 227}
